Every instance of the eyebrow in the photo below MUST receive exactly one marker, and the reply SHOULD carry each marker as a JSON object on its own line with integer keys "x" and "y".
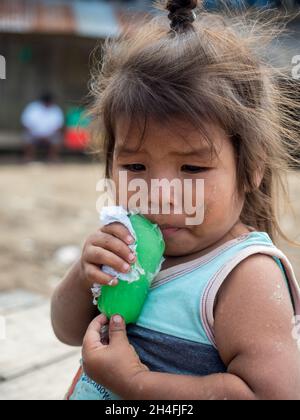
{"x": 200, "y": 151}
{"x": 127, "y": 151}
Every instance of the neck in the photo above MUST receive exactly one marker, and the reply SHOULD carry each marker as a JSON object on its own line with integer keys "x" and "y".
{"x": 236, "y": 230}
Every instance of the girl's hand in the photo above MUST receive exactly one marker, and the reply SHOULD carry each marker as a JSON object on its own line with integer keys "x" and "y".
{"x": 108, "y": 246}
{"x": 115, "y": 365}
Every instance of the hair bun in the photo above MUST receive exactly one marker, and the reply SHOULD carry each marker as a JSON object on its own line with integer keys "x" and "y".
{"x": 181, "y": 13}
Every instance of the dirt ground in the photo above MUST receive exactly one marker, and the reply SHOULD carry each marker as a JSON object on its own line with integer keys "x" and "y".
{"x": 43, "y": 208}
{"x": 47, "y": 207}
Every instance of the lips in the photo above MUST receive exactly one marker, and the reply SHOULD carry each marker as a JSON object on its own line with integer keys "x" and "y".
{"x": 169, "y": 231}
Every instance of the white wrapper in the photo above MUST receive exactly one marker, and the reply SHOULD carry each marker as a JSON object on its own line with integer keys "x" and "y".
{"x": 111, "y": 214}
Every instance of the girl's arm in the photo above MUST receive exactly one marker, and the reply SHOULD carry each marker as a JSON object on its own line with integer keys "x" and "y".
{"x": 253, "y": 329}
{"x": 72, "y": 307}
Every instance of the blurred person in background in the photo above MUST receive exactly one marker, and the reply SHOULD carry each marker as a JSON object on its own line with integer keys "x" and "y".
{"x": 43, "y": 121}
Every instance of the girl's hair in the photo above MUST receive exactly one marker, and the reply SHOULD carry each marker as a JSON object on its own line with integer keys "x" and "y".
{"x": 207, "y": 67}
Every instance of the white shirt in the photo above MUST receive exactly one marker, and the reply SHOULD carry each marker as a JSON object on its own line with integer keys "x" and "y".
{"x": 41, "y": 120}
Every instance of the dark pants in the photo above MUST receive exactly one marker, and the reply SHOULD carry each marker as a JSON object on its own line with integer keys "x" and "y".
{"x": 32, "y": 143}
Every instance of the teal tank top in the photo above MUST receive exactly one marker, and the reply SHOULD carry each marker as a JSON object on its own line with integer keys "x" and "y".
{"x": 175, "y": 330}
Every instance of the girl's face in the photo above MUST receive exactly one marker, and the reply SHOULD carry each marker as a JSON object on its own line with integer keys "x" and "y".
{"x": 181, "y": 153}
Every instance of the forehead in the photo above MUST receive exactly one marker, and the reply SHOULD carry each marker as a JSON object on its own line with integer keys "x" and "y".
{"x": 177, "y": 137}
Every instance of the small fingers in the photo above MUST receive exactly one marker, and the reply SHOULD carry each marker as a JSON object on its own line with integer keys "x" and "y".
{"x": 118, "y": 247}
{"x": 94, "y": 275}
{"x": 114, "y": 245}
{"x": 119, "y": 231}
{"x": 100, "y": 256}
{"x": 92, "y": 339}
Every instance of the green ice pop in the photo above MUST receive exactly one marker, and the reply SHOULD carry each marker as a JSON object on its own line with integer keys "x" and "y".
{"x": 127, "y": 299}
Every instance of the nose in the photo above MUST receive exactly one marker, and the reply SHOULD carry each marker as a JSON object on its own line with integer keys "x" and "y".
{"x": 165, "y": 193}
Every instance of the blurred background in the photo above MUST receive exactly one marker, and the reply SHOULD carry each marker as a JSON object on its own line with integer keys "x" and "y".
{"x": 48, "y": 177}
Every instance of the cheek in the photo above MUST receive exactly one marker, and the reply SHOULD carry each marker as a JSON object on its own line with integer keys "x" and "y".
{"x": 219, "y": 197}
{"x": 123, "y": 195}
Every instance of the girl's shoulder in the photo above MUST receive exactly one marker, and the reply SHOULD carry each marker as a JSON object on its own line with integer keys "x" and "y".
{"x": 254, "y": 263}
{"x": 254, "y": 320}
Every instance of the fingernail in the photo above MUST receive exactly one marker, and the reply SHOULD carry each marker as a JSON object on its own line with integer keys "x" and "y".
{"x": 113, "y": 281}
{"x": 129, "y": 239}
{"x": 131, "y": 257}
{"x": 126, "y": 267}
{"x": 117, "y": 319}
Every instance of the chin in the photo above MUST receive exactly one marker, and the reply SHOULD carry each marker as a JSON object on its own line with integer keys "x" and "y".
{"x": 173, "y": 250}
{"x": 177, "y": 245}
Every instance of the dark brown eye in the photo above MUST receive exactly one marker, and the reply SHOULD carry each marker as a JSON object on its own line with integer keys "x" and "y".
{"x": 134, "y": 167}
{"x": 193, "y": 169}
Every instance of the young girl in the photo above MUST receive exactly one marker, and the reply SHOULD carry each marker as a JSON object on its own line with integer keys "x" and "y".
{"x": 189, "y": 97}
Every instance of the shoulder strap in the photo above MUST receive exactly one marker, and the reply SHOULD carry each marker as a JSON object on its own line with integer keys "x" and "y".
{"x": 211, "y": 290}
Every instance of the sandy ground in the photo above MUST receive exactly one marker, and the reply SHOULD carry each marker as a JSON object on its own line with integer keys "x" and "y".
{"x": 46, "y": 207}
{"x": 43, "y": 208}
